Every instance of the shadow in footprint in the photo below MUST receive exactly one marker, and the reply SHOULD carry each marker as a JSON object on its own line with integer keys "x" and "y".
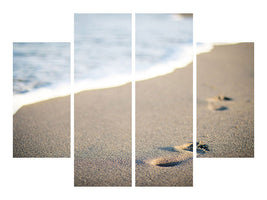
{"x": 220, "y": 98}
{"x": 221, "y": 108}
{"x": 202, "y": 146}
{"x": 216, "y": 108}
{"x": 172, "y": 149}
{"x": 224, "y": 98}
{"x": 171, "y": 164}
{"x": 170, "y": 161}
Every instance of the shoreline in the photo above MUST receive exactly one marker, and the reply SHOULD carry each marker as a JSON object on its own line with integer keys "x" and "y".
{"x": 101, "y": 85}
{"x": 164, "y": 127}
{"x": 43, "y": 94}
{"x": 42, "y": 129}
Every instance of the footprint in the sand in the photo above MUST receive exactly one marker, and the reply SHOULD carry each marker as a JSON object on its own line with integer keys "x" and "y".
{"x": 169, "y": 162}
{"x": 183, "y": 153}
{"x": 215, "y": 105}
{"x": 220, "y": 98}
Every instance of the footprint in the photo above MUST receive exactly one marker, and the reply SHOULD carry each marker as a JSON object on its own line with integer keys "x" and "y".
{"x": 215, "y": 105}
{"x": 202, "y": 147}
{"x": 183, "y": 153}
{"x": 172, "y": 160}
{"x": 220, "y": 98}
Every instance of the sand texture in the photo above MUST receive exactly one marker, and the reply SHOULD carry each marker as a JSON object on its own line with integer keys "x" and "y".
{"x": 225, "y": 100}
{"x": 103, "y": 137}
{"x": 164, "y": 123}
{"x": 164, "y": 120}
{"x": 42, "y": 129}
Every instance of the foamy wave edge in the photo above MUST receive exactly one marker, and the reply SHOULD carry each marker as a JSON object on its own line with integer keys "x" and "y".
{"x": 39, "y": 95}
{"x": 43, "y": 94}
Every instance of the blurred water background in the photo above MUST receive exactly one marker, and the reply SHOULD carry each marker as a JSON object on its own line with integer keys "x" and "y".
{"x": 103, "y": 54}
{"x": 40, "y": 71}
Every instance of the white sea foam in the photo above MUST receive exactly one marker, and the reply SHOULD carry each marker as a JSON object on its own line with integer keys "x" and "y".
{"x": 110, "y": 82}
{"x": 38, "y": 95}
{"x": 163, "y": 44}
{"x": 47, "y": 93}
{"x": 185, "y": 57}
{"x": 204, "y": 47}
{"x": 208, "y": 46}
{"x": 156, "y": 70}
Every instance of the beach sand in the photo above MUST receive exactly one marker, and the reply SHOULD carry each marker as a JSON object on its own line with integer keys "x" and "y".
{"x": 226, "y": 123}
{"x": 164, "y": 120}
{"x": 42, "y": 129}
{"x": 103, "y": 137}
{"x": 103, "y": 154}
{"x": 164, "y": 123}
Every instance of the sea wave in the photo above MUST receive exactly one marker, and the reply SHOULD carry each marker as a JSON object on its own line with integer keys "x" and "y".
{"x": 38, "y": 95}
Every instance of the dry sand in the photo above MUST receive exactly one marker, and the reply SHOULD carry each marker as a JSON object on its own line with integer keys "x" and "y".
{"x": 226, "y": 125}
{"x": 103, "y": 137}
{"x": 164, "y": 120}
{"x": 42, "y": 129}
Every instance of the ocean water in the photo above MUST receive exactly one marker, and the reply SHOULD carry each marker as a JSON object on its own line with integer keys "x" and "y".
{"x": 40, "y": 71}
{"x": 102, "y": 55}
{"x": 102, "y": 46}
{"x": 164, "y": 42}
{"x": 102, "y": 50}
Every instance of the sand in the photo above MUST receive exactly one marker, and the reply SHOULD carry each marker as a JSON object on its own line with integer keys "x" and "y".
{"x": 164, "y": 120}
{"x": 164, "y": 123}
{"x": 103, "y": 154}
{"x": 225, "y": 100}
{"x": 42, "y": 129}
{"x": 103, "y": 135}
